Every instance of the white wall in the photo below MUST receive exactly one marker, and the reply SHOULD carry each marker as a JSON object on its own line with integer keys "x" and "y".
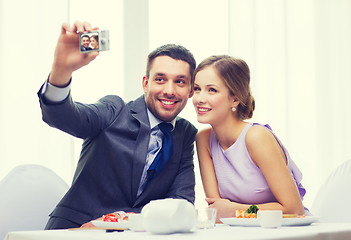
{"x": 29, "y": 30}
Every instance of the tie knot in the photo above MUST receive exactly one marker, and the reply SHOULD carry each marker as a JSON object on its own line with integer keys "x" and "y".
{"x": 166, "y": 128}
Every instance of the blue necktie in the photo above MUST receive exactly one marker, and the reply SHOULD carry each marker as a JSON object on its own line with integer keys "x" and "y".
{"x": 165, "y": 152}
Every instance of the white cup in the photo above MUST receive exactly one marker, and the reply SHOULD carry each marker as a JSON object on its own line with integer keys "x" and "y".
{"x": 206, "y": 218}
{"x": 270, "y": 218}
{"x": 136, "y": 222}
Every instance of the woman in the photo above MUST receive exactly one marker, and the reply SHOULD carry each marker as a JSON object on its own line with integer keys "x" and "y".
{"x": 241, "y": 163}
{"x": 94, "y": 42}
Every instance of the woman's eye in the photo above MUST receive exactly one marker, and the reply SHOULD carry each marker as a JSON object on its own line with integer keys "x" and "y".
{"x": 212, "y": 90}
{"x": 196, "y": 89}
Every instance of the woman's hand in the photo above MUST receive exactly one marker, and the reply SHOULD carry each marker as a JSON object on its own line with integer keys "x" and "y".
{"x": 225, "y": 208}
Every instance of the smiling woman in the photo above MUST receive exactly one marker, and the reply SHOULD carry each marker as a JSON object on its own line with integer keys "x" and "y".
{"x": 240, "y": 163}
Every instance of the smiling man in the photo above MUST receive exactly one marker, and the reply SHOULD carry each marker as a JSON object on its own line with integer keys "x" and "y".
{"x": 123, "y": 142}
{"x": 85, "y": 42}
{"x": 167, "y": 85}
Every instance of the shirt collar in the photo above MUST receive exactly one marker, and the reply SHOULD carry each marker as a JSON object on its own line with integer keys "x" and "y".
{"x": 154, "y": 121}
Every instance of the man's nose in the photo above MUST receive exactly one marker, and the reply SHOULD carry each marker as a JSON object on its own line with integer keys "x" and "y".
{"x": 169, "y": 88}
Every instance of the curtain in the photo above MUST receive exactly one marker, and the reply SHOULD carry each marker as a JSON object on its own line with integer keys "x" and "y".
{"x": 299, "y": 52}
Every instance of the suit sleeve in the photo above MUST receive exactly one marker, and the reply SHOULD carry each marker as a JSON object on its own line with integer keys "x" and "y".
{"x": 78, "y": 119}
{"x": 184, "y": 185}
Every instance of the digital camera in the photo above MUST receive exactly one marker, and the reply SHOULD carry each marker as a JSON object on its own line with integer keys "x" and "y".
{"x": 94, "y": 41}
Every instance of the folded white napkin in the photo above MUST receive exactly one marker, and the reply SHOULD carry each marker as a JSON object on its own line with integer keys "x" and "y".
{"x": 168, "y": 216}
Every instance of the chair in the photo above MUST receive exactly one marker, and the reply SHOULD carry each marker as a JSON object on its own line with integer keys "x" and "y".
{"x": 28, "y": 194}
{"x": 333, "y": 201}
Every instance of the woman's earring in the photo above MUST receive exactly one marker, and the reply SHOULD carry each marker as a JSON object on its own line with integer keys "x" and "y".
{"x": 233, "y": 109}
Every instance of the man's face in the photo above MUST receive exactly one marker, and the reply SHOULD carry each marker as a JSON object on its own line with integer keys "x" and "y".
{"x": 85, "y": 42}
{"x": 168, "y": 87}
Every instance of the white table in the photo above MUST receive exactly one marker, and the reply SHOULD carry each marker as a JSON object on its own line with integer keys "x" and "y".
{"x": 320, "y": 231}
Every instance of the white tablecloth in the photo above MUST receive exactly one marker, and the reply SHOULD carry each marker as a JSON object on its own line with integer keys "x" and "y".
{"x": 320, "y": 231}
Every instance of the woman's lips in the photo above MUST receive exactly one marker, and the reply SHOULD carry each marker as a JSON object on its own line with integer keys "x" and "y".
{"x": 203, "y": 110}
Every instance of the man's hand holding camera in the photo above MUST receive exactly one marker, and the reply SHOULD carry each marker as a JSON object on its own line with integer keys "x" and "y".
{"x": 68, "y": 57}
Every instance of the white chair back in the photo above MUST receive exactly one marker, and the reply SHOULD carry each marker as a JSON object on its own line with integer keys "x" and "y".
{"x": 28, "y": 194}
{"x": 332, "y": 202}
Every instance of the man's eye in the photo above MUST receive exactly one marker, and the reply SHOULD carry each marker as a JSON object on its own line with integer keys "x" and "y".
{"x": 180, "y": 81}
{"x": 159, "y": 79}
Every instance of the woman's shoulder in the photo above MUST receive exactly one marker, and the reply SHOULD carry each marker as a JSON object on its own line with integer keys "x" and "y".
{"x": 204, "y": 133}
{"x": 258, "y": 134}
{"x": 203, "y": 136}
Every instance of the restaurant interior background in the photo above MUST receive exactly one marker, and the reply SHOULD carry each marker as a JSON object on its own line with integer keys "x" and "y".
{"x": 299, "y": 52}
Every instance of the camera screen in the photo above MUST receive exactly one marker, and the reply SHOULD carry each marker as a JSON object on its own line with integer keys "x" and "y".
{"x": 89, "y": 41}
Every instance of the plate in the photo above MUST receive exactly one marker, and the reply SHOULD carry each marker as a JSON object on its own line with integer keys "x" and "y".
{"x": 111, "y": 225}
{"x": 254, "y": 222}
{"x": 247, "y": 222}
{"x": 308, "y": 220}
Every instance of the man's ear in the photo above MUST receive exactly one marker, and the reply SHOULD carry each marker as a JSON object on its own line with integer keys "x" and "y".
{"x": 145, "y": 83}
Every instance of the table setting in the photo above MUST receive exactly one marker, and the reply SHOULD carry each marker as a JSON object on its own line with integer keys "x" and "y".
{"x": 178, "y": 219}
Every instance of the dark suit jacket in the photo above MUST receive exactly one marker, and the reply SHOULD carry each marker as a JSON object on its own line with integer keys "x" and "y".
{"x": 85, "y": 49}
{"x": 116, "y": 137}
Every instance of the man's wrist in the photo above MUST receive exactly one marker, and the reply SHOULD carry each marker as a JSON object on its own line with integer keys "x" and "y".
{"x": 59, "y": 78}
{"x": 56, "y": 93}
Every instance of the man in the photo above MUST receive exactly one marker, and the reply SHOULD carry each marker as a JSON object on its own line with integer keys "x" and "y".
{"x": 120, "y": 138}
{"x": 84, "y": 43}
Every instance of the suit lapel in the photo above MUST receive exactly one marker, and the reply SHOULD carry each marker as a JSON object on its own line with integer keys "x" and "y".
{"x": 152, "y": 190}
{"x": 138, "y": 111}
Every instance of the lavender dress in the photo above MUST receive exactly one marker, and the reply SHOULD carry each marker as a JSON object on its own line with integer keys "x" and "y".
{"x": 239, "y": 179}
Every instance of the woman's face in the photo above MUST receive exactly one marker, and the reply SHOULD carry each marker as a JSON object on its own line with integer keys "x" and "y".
{"x": 94, "y": 44}
{"x": 212, "y": 99}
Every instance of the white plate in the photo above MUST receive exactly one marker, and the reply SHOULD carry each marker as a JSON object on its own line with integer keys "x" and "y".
{"x": 308, "y": 220}
{"x": 254, "y": 222}
{"x": 111, "y": 225}
{"x": 247, "y": 222}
